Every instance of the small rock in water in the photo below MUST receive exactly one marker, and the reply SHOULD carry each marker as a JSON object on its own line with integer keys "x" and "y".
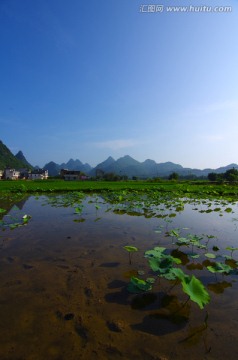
{"x": 69, "y": 316}
{"x": 117, "y": 325}
{"x": 27, "y": 267}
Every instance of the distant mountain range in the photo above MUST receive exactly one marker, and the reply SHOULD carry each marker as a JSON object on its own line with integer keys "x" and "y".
{"x": 130, "y": 167}
{"x": 54, "y": 169}
{"x": 124, "y": 166}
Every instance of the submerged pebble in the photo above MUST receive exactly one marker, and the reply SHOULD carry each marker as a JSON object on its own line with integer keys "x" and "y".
{"x": 69, "y": 316}
{"x": 116, "y": 325}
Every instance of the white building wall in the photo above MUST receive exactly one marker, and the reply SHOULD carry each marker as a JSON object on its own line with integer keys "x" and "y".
{"x": 11, "y": 174}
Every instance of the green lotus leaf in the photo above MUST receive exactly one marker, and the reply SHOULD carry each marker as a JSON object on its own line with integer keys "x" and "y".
{"x": 219, "y": 268}
{"x": 169, "y": 276}
{"x": 150, "y": 280}
{"x": 196, "y": 291}
{"x": 130, "y": 248}
{"x": 179, "y": 273}
{"x": 183, "y": 240}
{"x": 192, "y": 287}
{"x": 163, "y": 263}
{"x": 172, "y": 215}
{"x": 194, "y": 256}
{"x": 210, "y": 255}
{"x": 231, "y": 248}
{"x": 201, "y": 246}
{"x": 175, "y": 260}
{"x": 156, "y": 252}
{"x": 78, "y": 210}
{"x": 174, "y": 232}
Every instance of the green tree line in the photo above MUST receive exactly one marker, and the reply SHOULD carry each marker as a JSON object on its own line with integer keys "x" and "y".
{"x": 230, "y": 175}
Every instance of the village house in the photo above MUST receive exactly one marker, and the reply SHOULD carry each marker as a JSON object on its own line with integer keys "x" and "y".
{"x": 11, "y": 174}
{"x": 24, "y": 173}
{"x": 70, "y": 175}
{"x": 38, "y": 174}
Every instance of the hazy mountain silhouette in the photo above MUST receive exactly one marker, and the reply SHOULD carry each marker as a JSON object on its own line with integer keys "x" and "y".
{"x": 54, "y": 169}
{"x": 22, "y": 158}
{"x": 125, "y": 165}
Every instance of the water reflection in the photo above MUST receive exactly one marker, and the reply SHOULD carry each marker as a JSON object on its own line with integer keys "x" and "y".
{"x": 64, "y": 278}
{"x": 171, "y": 315}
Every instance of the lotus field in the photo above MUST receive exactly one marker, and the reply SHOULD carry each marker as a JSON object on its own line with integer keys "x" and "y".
{"x": 132, "y": 269}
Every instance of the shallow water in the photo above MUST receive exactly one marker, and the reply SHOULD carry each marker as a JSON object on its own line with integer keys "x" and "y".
{"x": 64, "y": 285}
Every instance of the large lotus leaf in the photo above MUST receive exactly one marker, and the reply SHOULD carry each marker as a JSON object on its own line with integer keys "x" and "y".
{"x": 162, "y": 265}
{"x": 195, "y": 290}
{"x": 137, "y": 285}
{"x": 156, "y": 252}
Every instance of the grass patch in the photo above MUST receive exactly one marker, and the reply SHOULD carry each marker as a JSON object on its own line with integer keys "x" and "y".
{"x": 177, "y": 188}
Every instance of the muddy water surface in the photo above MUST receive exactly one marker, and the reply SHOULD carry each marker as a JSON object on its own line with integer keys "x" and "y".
{"x": 63, "y": 287}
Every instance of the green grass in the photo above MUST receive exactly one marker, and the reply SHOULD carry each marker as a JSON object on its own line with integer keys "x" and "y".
{"x": 177, "y": 188}
{"x": 61, "y": 185}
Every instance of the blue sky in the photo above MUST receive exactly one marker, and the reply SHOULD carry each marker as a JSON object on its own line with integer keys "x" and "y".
{"x": 91, "y": 79}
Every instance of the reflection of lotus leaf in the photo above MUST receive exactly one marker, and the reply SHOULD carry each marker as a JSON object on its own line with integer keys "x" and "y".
{"x": 180, "y": 255}
{"x": 172, "y": 316}
{"x": 144, "y": 300}
{"x": 194, "y": 266}
{"x": 137, "y": 285}
{"x": 219, "y": 287}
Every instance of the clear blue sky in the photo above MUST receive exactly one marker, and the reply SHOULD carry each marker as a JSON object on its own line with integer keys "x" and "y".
{"x": 89, "y": 79}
